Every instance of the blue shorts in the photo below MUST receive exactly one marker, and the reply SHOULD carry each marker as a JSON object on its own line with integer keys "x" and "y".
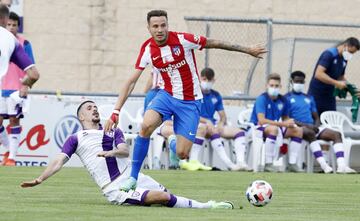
{"x": 186, "y": 113}
{"x": 149, "y": 96}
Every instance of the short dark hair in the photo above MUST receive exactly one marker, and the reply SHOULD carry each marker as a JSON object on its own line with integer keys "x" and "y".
{"x": 82, "y": 104}
{"x": 13, "y": 16}
{"x": 352, "y": 42}
{"x": 156, "y": 13}
{"x": 208, "y": 73}
{"x": 273, "y": 76}
{"x": 4, "y": 11}
{"x": 297, "y": 74}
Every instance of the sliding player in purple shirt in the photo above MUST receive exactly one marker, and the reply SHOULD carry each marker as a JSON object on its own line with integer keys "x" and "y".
{"x": 105, "y": 156}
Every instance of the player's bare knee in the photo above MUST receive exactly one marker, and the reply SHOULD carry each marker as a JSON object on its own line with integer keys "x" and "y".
{"x": 271, "y": 130}
{"x": 337, "y": 137}
{"x": 201, "y": 131}
{"x": 146, "y": 129}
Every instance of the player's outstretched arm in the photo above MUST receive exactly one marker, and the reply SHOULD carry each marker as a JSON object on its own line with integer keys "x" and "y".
{"x": 256, "y": 50}
{"x": 50, "y": 170}
{"x": 121, "y": 151}
{"x": 123, "y": 95}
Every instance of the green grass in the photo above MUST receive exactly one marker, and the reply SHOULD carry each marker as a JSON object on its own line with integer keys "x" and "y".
{"x": 71, "y": 195}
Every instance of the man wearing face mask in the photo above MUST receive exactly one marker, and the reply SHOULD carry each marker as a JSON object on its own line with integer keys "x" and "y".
{"x": 269, "y": 108}
{"x": 211, "y": 128}
{"x": 330, "y": 73}
{"x": 302, "y": 109}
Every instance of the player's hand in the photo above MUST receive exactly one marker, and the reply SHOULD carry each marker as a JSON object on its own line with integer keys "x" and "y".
{"x": 32, "y": 183}
{"x": 112, "y": 121}
{"x": 340, "y": 84}
{"x": 23, "y": 91}
{"x": 290, "y": 123}
{"x": 106, "y": 154}
{"x": 257, "y": 51}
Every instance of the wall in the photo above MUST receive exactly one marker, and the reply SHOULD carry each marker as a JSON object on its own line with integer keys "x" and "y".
{"x": 91, "y": 45}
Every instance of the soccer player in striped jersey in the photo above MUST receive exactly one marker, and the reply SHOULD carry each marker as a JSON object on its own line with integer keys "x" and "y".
{"x": 105, "y": 156}
{"x": 170, "y": 54}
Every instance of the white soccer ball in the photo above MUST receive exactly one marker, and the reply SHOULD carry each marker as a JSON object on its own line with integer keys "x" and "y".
{"x": 259, "y": 193}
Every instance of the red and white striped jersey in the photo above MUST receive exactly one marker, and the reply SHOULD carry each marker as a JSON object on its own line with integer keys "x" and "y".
{"x": 175, "y": 63}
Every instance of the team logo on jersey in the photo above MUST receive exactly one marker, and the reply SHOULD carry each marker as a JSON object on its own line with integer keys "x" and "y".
{"x": 335, "y": 61}
{"x": 196, "y": 38}
{"x": 214, "y": 100}
{"x": 176, "y": 50}
{"x": 280, "y": 106}
{"x": 269, "y": 106}
{"x": 135, "y": 194}
{"x": 292, "y": 100}
{"x": 65, "y": 127}
{"x": 307, "y": 100}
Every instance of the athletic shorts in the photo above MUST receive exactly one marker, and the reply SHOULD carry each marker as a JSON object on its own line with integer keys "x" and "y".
{"x": 10, "y": 108}
{"x": 150, "y": 96}
{"x": 133, "y": 197}
{"x": 186, "y": 114}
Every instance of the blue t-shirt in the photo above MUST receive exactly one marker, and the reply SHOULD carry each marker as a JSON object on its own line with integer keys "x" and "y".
{"x": 301, "y": 107}
{"x": 335, "y": 67}
{"x": 212, "y": 102}
{"x": 272, "y": 109}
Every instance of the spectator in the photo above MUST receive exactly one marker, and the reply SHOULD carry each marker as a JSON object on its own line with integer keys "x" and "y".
{"x": 330, "y": 73}
{"x": 302, "y": 109}
{"x": 271, "y": 107}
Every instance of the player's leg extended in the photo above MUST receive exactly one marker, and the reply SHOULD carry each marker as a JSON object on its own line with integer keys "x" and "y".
{"x": 331, "y": 135}
{"x": 270, "y": 133}
{"x": 143, "y": 197}
{"x": 295, "y": 134}
{"x": 4, "y": 141}
{"x": 238, "y": 135}
{"x": 152, "y": 120}
{"x": 218, "y": 147}
{"x": 310, "y": 136}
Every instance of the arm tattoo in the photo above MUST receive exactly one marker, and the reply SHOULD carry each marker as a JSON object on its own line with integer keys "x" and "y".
{"x": 211, "y": 43}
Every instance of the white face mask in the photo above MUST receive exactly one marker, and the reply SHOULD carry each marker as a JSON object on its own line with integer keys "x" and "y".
{"x": 347, "y": 55}
{"x": 206, "y": 85}
{"x": 273, "y": 91}
{"x": 299, "y": 88}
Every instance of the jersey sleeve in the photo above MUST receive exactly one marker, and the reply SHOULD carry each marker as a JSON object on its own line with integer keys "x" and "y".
{"x": 286, "y": 109}
{"x": 313, "y": 104}
{"x": 219, "y": 104}
{"x": 193, "y": 41}
{"x": 20, "y": 58}
{"x": 29, "y": 51}
{"x": 260, "y": 105}
{"x": 325, "y": 60}
{"x": 144, "y": 57}
{"x": 70, "y": 145}
{"x": 119, "y": 137}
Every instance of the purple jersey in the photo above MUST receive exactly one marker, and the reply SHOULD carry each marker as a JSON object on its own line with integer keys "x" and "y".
{"x": 11, "y": 50}
{"x": 88, "y": 143}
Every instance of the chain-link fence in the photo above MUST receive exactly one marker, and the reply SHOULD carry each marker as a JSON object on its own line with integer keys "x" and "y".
{"x": 292, "y": 46}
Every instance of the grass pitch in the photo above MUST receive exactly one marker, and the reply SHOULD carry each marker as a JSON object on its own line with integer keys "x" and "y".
{"x": 72, "y": 195}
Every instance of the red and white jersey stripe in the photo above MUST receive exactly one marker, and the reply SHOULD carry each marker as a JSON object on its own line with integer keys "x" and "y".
{"x": 175, "y": 63}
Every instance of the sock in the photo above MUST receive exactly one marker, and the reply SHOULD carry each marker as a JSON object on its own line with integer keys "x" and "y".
{"x": 4, "y": 138}
{"x": 339, "y": 152}
{"x": 196, "y": 148}
{"x": 158, "y": 146}
{"x": 294, "y": 149}
{"x": 220, "y": 150}
{"x": 240, "y": 147}
{"x": 172, "y": 146}
{"x": 182, "y": 202}
{"x": 316, "y": 150}
{"x": 14, "y": 140}
{"x": 269, "y": 148}
{"x": 141, "y": 148}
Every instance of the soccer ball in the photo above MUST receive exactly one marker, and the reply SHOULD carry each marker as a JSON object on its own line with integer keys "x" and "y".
{"x": 259, "y": 193}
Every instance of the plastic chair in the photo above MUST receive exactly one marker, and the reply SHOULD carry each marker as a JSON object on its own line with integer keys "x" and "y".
{"x": 336, "y": 121}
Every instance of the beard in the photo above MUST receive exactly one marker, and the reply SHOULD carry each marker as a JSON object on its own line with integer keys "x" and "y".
{"x": 96, "y": 120}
